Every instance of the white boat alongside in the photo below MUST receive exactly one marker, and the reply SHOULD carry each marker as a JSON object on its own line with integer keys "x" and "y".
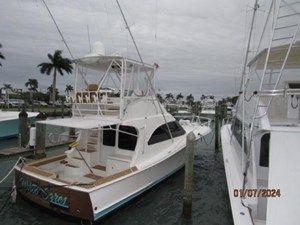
{"x": 9, "y": 123}
{"x": 260, "y": 143}
{"x": 128, "y": 142}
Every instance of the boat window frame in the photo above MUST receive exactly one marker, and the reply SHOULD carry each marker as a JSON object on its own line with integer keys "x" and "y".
{"x": 164, "y": 135}
{"x": 108, "y": 129}
{"x": 264, "y": 153}
{"x": 129, "y": 135}
{"x": 235, "y": 127}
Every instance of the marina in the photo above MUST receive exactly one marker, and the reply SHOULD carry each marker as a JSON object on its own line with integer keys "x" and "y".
{"x": 138, "y": 118}
{"x": 209, "y": 175}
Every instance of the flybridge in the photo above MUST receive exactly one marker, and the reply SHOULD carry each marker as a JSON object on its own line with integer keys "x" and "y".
{"x": 106, "y": 85}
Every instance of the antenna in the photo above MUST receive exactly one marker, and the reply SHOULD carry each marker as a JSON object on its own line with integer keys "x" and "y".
{"x": 141, "y": 59}
{"x": 62, "y": 37}
{"x": 60, "y": 33}
{"x": 89, "y": 39}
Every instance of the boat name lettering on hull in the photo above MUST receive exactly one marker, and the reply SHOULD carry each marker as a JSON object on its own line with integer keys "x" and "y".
{"x": 43, "y": 192}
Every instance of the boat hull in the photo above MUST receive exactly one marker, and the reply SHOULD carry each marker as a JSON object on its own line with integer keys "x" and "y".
{"x": 240, "y": 213}
{"x": 10, "y": 128}
{"x": 60, "y": 199}
{"x": 97, "y": 203}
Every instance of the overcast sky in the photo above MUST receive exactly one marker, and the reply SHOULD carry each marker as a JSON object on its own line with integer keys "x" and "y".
{"x": 199, "y": 44}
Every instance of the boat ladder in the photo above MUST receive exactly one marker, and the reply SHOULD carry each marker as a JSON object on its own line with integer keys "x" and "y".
{"x": 283, "y": 41}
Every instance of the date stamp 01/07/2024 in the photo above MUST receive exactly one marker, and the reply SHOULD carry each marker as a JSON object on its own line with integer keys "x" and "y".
{"x": 264, "y": 193}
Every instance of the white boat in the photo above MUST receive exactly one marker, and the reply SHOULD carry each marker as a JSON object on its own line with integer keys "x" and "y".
{"x": 9, "y": 123}
{"x": 260, "y": 144}
{"x": 128, "y": 142}
{"x": 208, "y": 105}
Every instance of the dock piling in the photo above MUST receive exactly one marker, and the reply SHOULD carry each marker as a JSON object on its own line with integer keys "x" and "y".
{"x": 62, "y": 108}
{"x": 188, "y": 175}
{"x": 23, "y": 127}
{"x": 220, "y": 114}
{"x": 39, "y": 151}
{"x": 217, "y": 127}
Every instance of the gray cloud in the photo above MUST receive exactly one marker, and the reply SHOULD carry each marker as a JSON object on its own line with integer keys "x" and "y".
{"x": 199, "y": 44}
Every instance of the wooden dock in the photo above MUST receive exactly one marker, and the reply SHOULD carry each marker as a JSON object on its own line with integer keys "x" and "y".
{"x": 14, "y": 151}
{"x": 25, "y": 151}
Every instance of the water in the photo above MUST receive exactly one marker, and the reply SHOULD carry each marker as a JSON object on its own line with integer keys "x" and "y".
{"x": 160, "y": 205}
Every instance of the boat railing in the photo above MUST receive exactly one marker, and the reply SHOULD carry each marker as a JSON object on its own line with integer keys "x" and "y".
{"x": 199, "y": 120}
{"x": 203, "y": 121}
{"x": 60, "y": 138}
{"x": 279, "y": 92}
{"x": 227, "y": 120}
{"x": 94, "y": 103}
{"x": 90, "y": 97}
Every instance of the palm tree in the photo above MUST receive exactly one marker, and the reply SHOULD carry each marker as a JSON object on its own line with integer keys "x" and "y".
{"x": 57, "y": 64}
{"x": 160, "y": 98}
{"x": 1, "y": 55}
{"x": 50, "y": 91}
{"x": 32, "y": 85}
{"x": 179, "y": 97}
{"x": 8, "y": 88}
{"x": 169, "y": 97}
{"x": 69, "y": 88}
{"x": 190, "y": 99}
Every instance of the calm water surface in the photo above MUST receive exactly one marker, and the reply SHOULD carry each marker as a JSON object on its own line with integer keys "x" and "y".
{"x": 160, "y": 205}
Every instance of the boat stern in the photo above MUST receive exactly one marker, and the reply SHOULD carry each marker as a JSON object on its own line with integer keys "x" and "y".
{"x": 57, "y": 197}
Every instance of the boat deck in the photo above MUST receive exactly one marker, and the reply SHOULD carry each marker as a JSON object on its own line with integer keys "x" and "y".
{"x": 57, "y": 169}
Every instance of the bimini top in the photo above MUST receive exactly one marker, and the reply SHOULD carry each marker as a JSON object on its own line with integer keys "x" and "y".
{"x": 103, "y": 62}
{"x": 82, "y": 122}
{"x": 276, "y": 56}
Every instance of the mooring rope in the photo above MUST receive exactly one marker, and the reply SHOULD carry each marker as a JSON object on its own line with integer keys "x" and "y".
{"x": 211, "y": 140}
{"x": 12, "y": 169}
{"x": 12, "y": 193}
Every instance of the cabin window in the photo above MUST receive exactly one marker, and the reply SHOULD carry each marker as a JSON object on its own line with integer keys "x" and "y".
{"x": 264, "y": 150}
{"x": 162, "y": 133}
{"x": 126, "y": 140}
{"x": 176, "y": 129}
{"x": 237, "y": 132}
{"x": 109, "y": 135}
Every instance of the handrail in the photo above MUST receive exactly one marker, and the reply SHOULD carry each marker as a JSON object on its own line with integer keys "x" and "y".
{"x": 279, "y": 92}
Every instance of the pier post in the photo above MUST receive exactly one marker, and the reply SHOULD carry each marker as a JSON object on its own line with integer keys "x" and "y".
{"x": 217, "y": 127}
{"x": 72, "y": 133}
{"x": 62, "y": 108}
{"x": 188, "y": 175}
{"x": 39, "y": 151}
{"x": 23, "y": 127}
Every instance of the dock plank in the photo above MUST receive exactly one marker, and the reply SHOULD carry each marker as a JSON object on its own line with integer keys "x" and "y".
{"x": 14, "y": 151}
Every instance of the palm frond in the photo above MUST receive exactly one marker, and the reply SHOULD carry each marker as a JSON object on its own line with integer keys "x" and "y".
{"x": 46, "y": 68}
{"x": 60, "y": 71}
{"x": 50, "y": 57}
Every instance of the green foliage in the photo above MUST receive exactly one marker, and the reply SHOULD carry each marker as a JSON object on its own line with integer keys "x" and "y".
{"x": 190, "y": 99}
{"x": 57, "y": 64}
{"x": 169, "y": 97}
{"x": 179, "y": 97}
{"x": 160, "y": 98}
{"x": 32, "y": 85}
{"x": 1, "y": 55}
{"x": 7, "y": 87}
{"x": 69, "y": 88}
